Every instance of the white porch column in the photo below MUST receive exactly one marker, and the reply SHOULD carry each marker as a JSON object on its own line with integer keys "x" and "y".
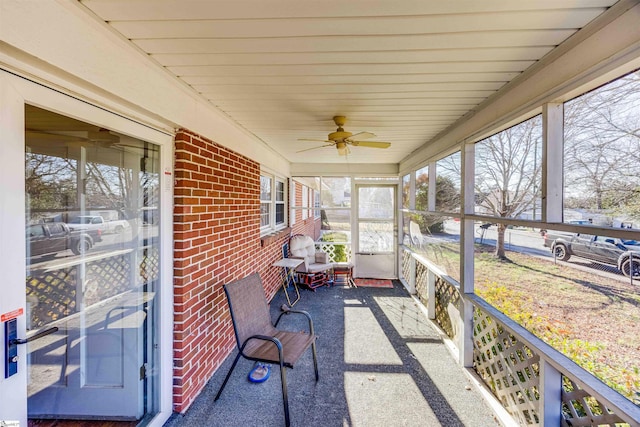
{"x": 466, "y": 254}
{"x": 552, "y": 161}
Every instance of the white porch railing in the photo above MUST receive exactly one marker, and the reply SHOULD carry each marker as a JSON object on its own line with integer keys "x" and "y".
{"x": 534, "y": 382}
{"x": 338, "y": 251}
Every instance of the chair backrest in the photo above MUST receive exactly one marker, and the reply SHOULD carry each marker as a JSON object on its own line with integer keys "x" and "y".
{"x": 415, "y": 233}
{"x": 302, "y": 246}
{"x": 249, "y": 308}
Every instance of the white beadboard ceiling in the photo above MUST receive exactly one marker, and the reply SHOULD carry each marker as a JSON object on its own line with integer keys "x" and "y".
{"x": 404, "y": 70}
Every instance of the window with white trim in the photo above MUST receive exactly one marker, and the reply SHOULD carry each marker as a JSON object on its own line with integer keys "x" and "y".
{"x": 273, "y": 203}
{"x": 280, "y": 202}
{"x": 305, "y": 202}
{"x": 265, "y": 201}
{"x": 316, "y": 204}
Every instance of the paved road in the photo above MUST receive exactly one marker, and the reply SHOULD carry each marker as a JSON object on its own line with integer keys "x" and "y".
{"x": 532, "y": 243}
{"x": 516, "y": 240}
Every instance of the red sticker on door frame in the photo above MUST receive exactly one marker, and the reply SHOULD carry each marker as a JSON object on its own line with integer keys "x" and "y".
{"x": 12, "y": 314}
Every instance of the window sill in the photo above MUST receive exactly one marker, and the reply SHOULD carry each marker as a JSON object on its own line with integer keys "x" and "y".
{"x": 269, "y": 239}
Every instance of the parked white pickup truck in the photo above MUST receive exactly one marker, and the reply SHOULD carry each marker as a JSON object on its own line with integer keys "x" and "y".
{"x": 96, "y": 222}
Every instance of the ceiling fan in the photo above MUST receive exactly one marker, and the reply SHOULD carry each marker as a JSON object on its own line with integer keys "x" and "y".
{"x": 342, "y": 139}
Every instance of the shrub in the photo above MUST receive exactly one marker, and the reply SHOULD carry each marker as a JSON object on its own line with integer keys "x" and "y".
{"x": 339, "y": 251}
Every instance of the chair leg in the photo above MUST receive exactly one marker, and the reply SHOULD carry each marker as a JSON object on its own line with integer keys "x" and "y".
{"x": 224, "y": 383}
{"x": 285, "y": 397}
{"x": 315, "y": 359}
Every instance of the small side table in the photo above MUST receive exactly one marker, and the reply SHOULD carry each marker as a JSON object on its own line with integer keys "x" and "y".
{"x": 289, "y": 265}
{"x": 345, "y": 270}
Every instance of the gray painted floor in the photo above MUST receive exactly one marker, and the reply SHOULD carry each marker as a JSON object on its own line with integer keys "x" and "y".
{"x": 381, "y": 363}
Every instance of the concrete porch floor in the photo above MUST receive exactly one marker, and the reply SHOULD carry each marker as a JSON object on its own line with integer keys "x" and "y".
{"x": 381, "y": 363}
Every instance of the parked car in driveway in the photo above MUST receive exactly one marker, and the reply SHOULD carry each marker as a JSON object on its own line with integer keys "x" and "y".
{"x": 624, "y": 254}
{"x": 97, "y": 222}
{"x": 53, "y": 237}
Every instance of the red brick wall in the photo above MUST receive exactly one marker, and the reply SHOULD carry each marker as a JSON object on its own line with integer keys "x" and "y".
{"x": 309, "y": 226}
{"x": 216, "y": 240}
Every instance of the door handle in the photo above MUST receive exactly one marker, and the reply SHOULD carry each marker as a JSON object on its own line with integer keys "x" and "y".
{"x": 11, "y": 345}
{"x": 37, "y": 336}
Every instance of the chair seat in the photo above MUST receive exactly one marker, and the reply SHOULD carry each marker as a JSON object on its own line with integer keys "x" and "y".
{"x": 293, "y": 343}
{"x": 317, "y": 268}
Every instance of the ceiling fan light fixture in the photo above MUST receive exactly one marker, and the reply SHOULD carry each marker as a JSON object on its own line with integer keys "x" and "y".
{"x": 342, "y": 148}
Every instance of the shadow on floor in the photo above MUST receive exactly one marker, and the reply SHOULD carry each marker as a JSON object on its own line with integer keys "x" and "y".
{"x": 381, "y": 363}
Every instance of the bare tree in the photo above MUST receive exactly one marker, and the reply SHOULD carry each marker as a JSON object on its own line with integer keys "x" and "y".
{"x": 602, "y": 146}
{"x": 508, "y": 173}
{"x": 48, "y": 183}
{"x": 449, "y": 176}
{"x": 51, "y": 184}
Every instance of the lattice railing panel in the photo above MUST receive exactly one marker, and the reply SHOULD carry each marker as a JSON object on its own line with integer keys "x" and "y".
{"x": 149, "y": 265}
{"x": 53, "y": 293}
{"x": 338, "y": 252}
{"x": 447, "y": 298}
{"x": 580, "y": 409}
{"x": 406, "y": 265}
{"x": 422, "y": 289}
{"x": 508, "y": 367}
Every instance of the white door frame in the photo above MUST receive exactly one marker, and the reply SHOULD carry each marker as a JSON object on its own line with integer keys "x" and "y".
{"x": 376, "y": 265}
{"x": 14, "y": 93}
{"x": 13, "y": 390}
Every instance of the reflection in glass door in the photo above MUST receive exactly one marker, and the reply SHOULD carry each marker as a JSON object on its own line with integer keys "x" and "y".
{"x": 92, "y": 270}
{"x": 376, "y": 256}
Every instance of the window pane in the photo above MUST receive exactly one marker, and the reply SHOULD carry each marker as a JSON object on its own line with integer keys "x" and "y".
{"x": 508, "y": 172}
{"x": 375, "y": 236}
{"x": 265, "y": 208}
{"x": 448, "y": 178}
{"x": 422, "y": 189}
{"x": 305, "y": 202}
{"x": 279, "y": 191}
{"x": 336, "y": 192}
{"x": 376, "y": 202}
{"x": 336, "y": 220}
{"x": 436, "y": 237}
{"x": 602, "y": 160}
{"x": 265, "y": 188}
{"x": 279, "y": 213}
{"x": 406, "y": 184}
{"x": 316, "y": 203}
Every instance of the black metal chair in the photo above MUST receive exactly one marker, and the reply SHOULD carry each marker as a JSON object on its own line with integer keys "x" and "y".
{"x": 258, "y": 339}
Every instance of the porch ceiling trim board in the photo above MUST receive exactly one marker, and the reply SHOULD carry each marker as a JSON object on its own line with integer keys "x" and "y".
{"x": 608, "y": 46}
{"x": 346, "y": 168}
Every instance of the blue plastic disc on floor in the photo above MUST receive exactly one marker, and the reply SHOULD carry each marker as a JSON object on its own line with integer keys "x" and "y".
{"x": 260, "y": 373}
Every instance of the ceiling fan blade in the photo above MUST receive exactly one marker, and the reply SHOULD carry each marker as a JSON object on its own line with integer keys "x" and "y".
{"x": 371, "y": 144}
{"x": 312, "y": 139}
{"x": 314, "y": 148}
{"x": 362, "y": 135}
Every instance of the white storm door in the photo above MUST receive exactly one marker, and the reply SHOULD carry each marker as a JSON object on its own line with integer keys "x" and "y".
{"x": 13, "y": 390}
{"x": 376, "y": 232}
{"x": 100, "y": 300}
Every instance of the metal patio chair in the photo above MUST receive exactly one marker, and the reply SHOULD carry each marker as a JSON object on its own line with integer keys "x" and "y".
{"x": 258, "y": 339}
